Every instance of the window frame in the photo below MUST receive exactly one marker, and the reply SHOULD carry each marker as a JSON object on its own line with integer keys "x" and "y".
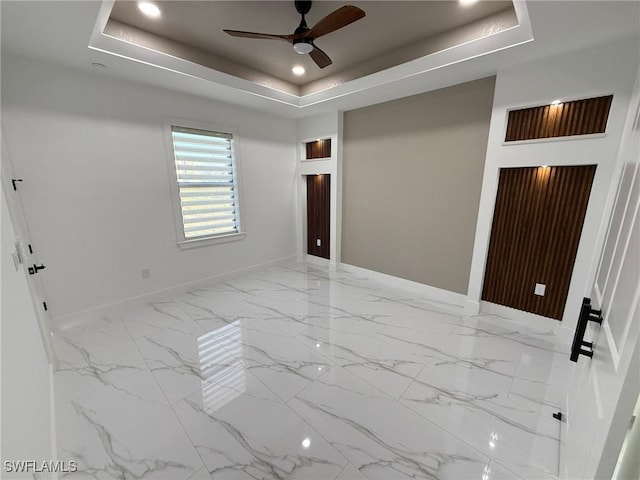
{"x": 182, "y": 241}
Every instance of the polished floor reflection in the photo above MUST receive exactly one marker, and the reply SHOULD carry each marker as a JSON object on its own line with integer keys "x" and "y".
{"x": 298, "y": 372}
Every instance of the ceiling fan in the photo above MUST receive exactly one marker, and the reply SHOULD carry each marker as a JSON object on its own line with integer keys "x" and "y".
{"x": 303, "y": 37}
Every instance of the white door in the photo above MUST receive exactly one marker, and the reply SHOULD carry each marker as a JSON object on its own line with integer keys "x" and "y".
{"x": 604, "y": 389}
{"x": 26, "y": 256}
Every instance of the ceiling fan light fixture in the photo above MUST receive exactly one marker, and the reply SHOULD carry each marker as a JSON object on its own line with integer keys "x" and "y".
{"x": 303, "y": 36}
{"x": 303, "y": 47}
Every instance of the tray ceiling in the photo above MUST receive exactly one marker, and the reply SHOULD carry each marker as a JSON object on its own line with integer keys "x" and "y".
{"x": 392, "y": 33}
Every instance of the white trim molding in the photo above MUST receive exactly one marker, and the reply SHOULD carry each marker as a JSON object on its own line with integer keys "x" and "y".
{"x": 448, "y": 299}
{"x": 520, "y": 315}
{"x": 213, "y": 82}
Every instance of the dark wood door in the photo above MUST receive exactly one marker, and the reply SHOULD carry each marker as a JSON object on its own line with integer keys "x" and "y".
{"x": 536, "y": 229}
{"x": 318, "y": 214}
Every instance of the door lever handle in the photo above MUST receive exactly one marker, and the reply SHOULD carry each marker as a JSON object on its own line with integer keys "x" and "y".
{"x": 33, "y": 270}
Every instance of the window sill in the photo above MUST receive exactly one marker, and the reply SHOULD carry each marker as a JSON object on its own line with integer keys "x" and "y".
{"x": 204, "y": 242}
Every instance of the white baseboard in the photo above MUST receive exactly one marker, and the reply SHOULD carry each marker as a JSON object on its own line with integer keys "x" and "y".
{"x": 313, "y": 260}
{"x": 450, "y": 299}
{"x": 471, "y": 307}
{"x": 519, "y": 315}
{"x": 78, "y": 318}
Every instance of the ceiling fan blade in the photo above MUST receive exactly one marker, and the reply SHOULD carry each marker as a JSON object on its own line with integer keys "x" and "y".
{"x": 268, "y": 36}
{"x": 335, "y": 20}
{"x": 321, "y": 58}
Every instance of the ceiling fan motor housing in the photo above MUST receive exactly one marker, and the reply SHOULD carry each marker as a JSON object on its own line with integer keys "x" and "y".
{"x": 302, "y": 45}
{"x": 303, "y": 7}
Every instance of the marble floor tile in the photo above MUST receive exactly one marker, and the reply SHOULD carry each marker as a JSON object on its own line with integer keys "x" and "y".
{"x": 475, "y": 406}
{"x": 351, "y": 473}
{"x": 202, "y": 474}
{"x": 253, "y": 434}
{"x": 551, "y": 398}
{"x": 382, "y": 438}
{"x": 300, "y": 372}
{"x": 157, "y": 317}
{"x": 283, "y": 364}
{"x": 385, "y": 366}
{"x": 125, "y": 430}
{"x": 92, "y": 356}
{"x": 431, "y": 348}
{"x": 183, "y": 362}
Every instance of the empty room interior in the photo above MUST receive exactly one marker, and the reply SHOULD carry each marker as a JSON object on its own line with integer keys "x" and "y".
{"x": 320, "y": 240}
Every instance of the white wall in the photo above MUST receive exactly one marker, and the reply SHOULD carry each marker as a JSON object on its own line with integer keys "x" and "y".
{"x": 96, "y": 189}
{"x": 596, "y": 71}
{"x": 25, "y": 432}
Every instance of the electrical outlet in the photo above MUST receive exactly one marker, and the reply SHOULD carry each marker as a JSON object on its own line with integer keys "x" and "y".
{"x": 146, "y": 273}
{"x": 318, "y": 242}
{"x": 540, "y": 289}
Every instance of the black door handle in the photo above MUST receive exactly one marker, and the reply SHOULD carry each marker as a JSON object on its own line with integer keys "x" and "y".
{"x": 586, "y": 314}
{"x": 33, "y": 270}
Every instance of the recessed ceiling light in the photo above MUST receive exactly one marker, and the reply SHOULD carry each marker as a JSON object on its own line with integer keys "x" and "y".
{"x": 467, "y": 2}
{"x": 298, "y": 70}
{"x": 149, "y": 9}
{"x": 556, "y": 102}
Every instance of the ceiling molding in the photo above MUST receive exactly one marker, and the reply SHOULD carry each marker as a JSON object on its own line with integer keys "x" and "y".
{"x": 276, "y": 91}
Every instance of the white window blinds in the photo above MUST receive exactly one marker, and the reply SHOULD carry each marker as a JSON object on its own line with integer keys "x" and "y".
{"x": 207, "y": 182}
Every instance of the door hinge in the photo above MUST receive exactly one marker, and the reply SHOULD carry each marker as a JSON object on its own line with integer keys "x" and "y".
{"x": 44, "y": 305}
{"x": 13, "y": 182}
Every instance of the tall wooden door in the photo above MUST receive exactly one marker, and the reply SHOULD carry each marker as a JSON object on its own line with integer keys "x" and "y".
{"x": 536, "y": 229}
{"x": 318, "y": 215}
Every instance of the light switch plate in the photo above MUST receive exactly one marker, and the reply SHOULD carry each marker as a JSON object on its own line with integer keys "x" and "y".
{"x": 540, "y": 289}
{"x": 318, "y": 243}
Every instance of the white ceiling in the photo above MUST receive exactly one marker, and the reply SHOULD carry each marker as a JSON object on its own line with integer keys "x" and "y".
{"x": 61, "y": 32}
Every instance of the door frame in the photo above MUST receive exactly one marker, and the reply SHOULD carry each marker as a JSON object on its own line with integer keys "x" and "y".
{"x": 331, "y": 166}
{"x": 328, "y": 213}
{"x": 21, "y": 228}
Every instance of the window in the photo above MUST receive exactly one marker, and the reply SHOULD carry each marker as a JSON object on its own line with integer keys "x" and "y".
{"x": 207, "y": 187}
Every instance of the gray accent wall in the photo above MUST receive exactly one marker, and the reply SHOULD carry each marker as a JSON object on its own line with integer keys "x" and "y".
{"x": 412, "y": 175}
